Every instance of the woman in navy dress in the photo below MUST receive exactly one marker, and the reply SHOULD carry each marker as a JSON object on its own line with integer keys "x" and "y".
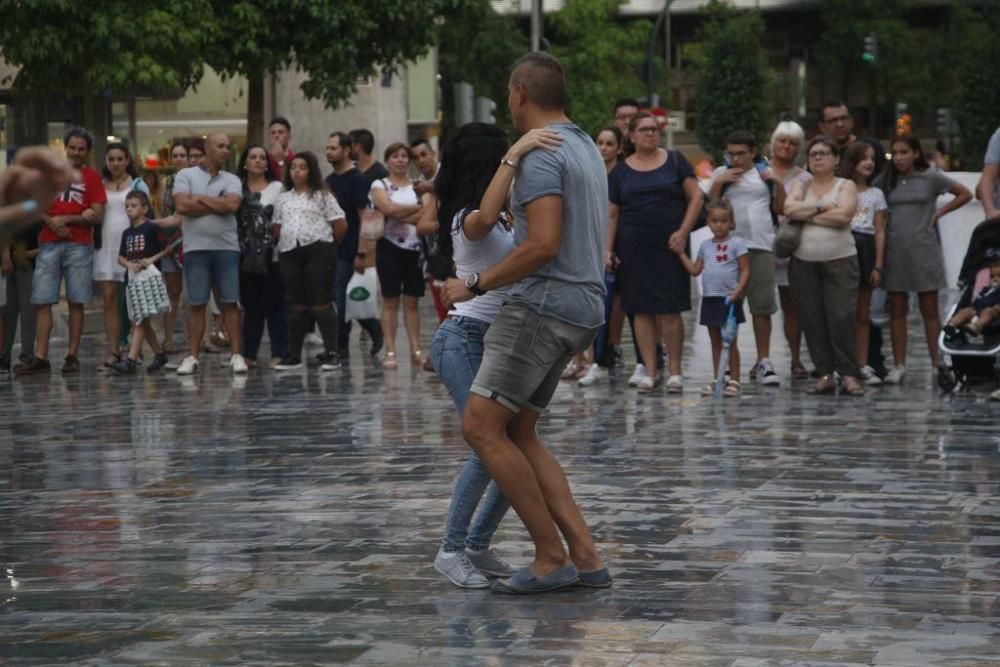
{"x": 655, "y": 200}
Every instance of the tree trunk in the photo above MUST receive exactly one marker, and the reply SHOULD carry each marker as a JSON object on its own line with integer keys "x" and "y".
{"x": 97, "y": 119}
{"x": 255, "y": 108}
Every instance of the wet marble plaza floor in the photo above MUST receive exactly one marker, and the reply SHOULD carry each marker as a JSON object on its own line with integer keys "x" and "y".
{"x": 292, "y": 520}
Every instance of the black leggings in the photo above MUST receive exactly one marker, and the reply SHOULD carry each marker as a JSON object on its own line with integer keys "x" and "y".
{"x": 309, "y": 272}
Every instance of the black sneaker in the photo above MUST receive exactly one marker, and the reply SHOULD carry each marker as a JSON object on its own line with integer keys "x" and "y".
{"x": 377, "y": 341}
{"x": 331, "y": 362}
{"x": 25, "y": 358}
{"x": 4, "y": 364}
{"x": 159, "y": 361}
{"x": 289, "y": 364}
{"x": 71, "y": 365}
{"x": 344, "y": 353}
{"x": 35, "y": 365}
{"x": 125, "y": 367}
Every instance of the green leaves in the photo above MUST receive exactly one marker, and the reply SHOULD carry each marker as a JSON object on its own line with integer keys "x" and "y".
{"x": 733, "y": 79}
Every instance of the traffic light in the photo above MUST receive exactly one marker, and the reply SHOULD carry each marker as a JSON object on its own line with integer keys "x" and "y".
{"x": 944, "y": 120}
{"x": 870, "y": 54}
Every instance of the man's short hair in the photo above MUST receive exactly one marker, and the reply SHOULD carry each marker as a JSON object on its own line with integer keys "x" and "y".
{"x": 543, "y": 79}
{"x": 421, "y": 142}
{"x": 343, "y": 139}
{"x": 363, "y": 138}
{"x": 830, "y": 104}
{"x": 280, "y": 120}
{"x": 626, "y": 102}
{"x": 82, "y": 134}
{"x": 742, "y": 138}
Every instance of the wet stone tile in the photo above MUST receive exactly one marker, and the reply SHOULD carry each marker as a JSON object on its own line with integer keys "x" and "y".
{"x": 293, "y": 519}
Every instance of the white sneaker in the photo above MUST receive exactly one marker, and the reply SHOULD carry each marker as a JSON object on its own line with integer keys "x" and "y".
{"x": 646, "y": 384}
{"x": 995, "y": 396}
{"x": 459, "y": 570}
{"x": 870, "y": 378}
{"x": 637, "y": 376}
{"x": 188, "y": 367}
{"x": 766, "y": 374}
{"x": 239, "y": 364}
{"x": 594, "y": 375}
{"x": 313, "y": 339}
{"x": 675, "y": 384}
{"x": 895, "y": 375}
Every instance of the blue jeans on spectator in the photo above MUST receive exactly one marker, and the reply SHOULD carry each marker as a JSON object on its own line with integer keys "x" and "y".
{"x": 345, "y": 270}
{"x": 457, "y": 350}
{"x": 263, "y": 299}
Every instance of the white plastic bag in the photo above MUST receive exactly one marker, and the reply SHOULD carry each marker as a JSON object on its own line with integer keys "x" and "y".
{"x": 146, "y": 294}
{"x": 362, "y": 299}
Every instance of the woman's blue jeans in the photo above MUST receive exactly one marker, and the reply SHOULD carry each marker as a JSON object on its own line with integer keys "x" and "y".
{"x": 457, "y": 351}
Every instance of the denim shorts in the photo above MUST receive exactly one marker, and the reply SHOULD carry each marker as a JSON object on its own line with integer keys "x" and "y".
{"x": 205, "y": 270}
{"x": 58, "y": 260}
{"x": 525, "y": 353}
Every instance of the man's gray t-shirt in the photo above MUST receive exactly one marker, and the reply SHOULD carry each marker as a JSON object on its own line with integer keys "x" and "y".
{"x": 208, "y": 232}
{"x": 570, "y": 287}
{"x": 993, "y": 157}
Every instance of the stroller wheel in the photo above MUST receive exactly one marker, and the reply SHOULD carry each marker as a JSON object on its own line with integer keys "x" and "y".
{"x": 947, "y": 379}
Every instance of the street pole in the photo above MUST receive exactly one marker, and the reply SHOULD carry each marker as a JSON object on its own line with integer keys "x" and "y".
{"x": 536, "y": 25}
{"x": 652, "y": 47}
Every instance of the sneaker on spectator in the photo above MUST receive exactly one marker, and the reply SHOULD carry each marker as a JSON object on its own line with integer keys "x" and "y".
{"x": 637, "y": 375}
{"x": 594, "y": 375}
{"x": 490, "y": 564}
{"x": 766, "y": 374}
{"x": 72, "y": 365}
{"x": 646, "y": 384}
{"x": 675, "y": 384}
{"x": 289, "y": 364}
{"x": 33, "y": 366}
{"x": 895, "y": 375}
{"x": 159, "y": 361}
{"x": 870, "y": 377}
{"x": 459, "y": 570}
{"x": 188, "y": 367}
{"x": 238, "y": 364}
{"x": 331, "y": 362}
{"x": 125, "y": 366}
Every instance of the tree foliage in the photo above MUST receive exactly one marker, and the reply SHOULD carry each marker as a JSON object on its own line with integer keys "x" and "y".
{"x": 908, "y": 68}
{"x": 478, "y": 46}
{"x": 601, "y": 55}
{"x": 111, "y": 47}
{"x": 975, "y": 53}
{"x": 733, "y": 79}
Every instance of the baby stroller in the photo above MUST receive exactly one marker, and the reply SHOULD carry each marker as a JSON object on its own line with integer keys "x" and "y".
{"x": 979, "y": 358}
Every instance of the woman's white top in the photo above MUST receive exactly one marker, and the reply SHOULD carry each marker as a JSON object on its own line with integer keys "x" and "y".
{"x": 398, "y": 233}
{"x": 478, "y": 256}
{"x": 305, "y": 218}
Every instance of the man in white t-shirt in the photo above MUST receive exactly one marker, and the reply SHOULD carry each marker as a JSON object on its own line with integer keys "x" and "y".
{"x": 750, "y": 186}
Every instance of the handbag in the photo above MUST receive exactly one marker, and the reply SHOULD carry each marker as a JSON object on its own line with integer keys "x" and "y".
{"x": 787, "y": 239}
{"x": 372, "y": 222}
{"x": 146, "y": 294}
{"x": 256, "y": 258}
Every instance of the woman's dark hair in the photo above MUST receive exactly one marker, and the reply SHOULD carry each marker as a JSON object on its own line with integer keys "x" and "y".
{"x": 891, "y": 175}
{"x": 197, "y": 144}
{"x": 468, "y": 163}
{"x": 130, "y": 168}
{"x": 395, "y": 148}
{"x": 827, "y": 141}
{"x": 314, "y": 182}
{"x": 627, "y": 146}
{"x": 241, "y": 167}
{"x": 613, "y": 129}
{"x": 856, "y": 155}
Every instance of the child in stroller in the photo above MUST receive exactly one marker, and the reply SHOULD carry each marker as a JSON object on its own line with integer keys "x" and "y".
{"x": 971, "y": 320}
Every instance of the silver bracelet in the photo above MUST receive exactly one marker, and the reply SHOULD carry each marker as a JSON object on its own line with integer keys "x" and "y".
{"x": 510, "y": 163}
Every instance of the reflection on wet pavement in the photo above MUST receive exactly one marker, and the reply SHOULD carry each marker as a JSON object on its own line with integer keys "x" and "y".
{"x": 293, "y": 519}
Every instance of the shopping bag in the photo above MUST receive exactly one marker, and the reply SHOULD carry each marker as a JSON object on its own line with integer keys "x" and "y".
{"x": 146, "y": 294}
{"x": 362, "y": 302}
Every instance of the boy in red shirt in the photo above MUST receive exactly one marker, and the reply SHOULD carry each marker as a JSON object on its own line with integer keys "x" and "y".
{"x": 66, "y": 250}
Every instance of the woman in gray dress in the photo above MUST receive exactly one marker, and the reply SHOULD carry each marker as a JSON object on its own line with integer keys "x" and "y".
{"x": 914, "y": 261}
